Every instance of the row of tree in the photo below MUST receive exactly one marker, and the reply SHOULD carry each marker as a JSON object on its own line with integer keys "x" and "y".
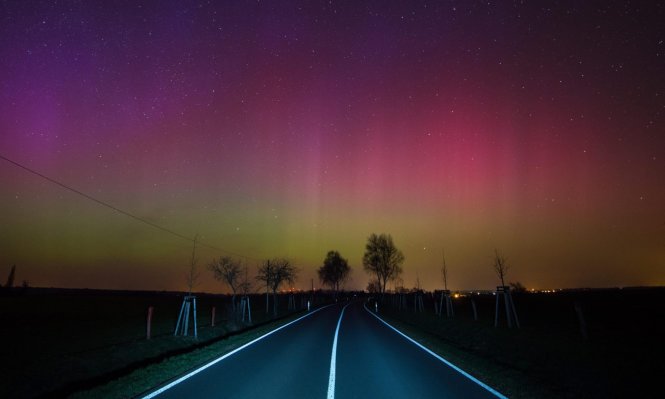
{"x": 272, "y": 273}
{"x": 382, "y": 260}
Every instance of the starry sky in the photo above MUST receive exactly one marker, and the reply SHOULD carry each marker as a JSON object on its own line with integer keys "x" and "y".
{"x": 291, "y": 128}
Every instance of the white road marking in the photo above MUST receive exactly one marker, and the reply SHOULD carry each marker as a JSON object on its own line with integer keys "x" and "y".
{"x": 219, "y": 359}
{"x": 333, "y": 358}
{"x": 464, "y": 373}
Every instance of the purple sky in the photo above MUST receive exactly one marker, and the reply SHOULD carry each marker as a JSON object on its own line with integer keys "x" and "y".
{"x": 295, "y": 128}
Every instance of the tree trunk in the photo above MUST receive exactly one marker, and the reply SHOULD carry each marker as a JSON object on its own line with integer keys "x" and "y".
{"x": 274, "y": 303}
{"x": 383, "y": 287}
{"x": 267, "y": 301}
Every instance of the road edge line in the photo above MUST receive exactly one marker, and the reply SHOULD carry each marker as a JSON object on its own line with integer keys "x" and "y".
{"x": 447, "y": 362}
{"x": 333, "y": 357}
{"x": 224, "y": 356}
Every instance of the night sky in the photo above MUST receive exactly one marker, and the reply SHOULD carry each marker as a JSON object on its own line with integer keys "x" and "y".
{"x": 294, "y": 128}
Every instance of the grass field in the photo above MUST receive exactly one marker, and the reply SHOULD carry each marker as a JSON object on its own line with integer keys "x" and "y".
{"x": 623, "y": 355}
{"x": 92, "y": 343}
{"x": 143, "y": 380}
{"x": 55, "y": 342}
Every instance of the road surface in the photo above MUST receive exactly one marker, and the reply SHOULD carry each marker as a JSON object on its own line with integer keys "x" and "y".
{"x": 341, "y": 351}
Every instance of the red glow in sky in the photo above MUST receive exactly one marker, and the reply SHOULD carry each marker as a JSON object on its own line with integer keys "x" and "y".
{"x": 295, "y": 129}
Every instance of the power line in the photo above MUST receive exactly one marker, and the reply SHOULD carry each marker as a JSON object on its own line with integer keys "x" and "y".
{"x": 128, "y": 214}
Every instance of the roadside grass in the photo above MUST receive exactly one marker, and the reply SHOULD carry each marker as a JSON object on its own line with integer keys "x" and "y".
{"x": 548, "y": 357}
{"x": 58, "y": 341}
{"x": 509, "y": 381}
{"x": 142, "y": 381}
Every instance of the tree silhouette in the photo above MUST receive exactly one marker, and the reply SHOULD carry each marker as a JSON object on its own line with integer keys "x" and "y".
{"x": 335, "y": 270}
{"x": 229, "y": 271}
{"x": 245, "y": 284}
{"x": 273, "y": 273}
{"x": 382, "y": 259}
{"x": 500, "y": 266}
{"x": 444, "y": 272}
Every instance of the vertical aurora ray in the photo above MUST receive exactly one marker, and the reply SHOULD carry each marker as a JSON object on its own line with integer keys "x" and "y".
{"x": 294, "y": 130}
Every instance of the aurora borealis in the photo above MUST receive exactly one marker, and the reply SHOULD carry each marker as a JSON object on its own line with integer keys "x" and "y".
{"x": 295, "y": 128}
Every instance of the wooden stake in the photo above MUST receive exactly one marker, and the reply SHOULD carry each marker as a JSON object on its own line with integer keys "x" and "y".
{"x": 148, "y": 323}
{"x": 196, "y": 334}
{"x": 249, "y": 310}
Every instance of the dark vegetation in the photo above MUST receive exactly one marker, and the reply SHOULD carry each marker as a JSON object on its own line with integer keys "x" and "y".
{"x": 231, "y": 272}
{"x": 334, "y": 271}
{"x": 570, "y": 344}
{"x": 619, "y": 352}
{"x": 382, "y": 260}
{"x": 272, "y": 274}
{"x": 58, "y": 341}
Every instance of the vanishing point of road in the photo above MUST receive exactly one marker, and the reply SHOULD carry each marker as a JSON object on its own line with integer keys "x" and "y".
{"x": 339, "y": 351}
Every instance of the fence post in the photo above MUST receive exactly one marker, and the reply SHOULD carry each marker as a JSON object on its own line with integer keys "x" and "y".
{"x": 213, "y": 316}
{"x": 196, "y": 334}
{"x": 148, "y": 323}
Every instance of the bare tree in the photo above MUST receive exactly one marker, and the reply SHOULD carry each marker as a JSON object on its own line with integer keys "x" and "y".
{"x": 500, "y": 266}
{"x": 444, "y": 272}
{"x": 275, "y": 272}
{"x": 193, "y": 275}
{"x": 229, "y": 271}
{"x": 335, "y": 270}
{"x": 245, "y": 285}
{"x": 382, "y": 259}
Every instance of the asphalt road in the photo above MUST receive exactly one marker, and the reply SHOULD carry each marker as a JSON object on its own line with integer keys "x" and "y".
{"x": 371, "y": 360}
